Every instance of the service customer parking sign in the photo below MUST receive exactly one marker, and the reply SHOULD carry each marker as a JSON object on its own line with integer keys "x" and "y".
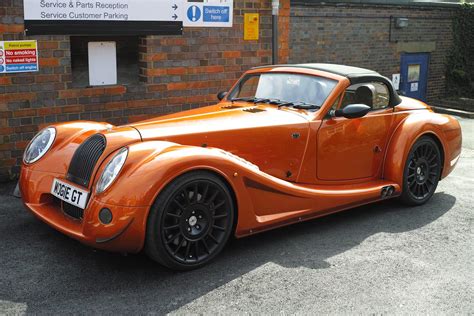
{"x": 18, "y": 56}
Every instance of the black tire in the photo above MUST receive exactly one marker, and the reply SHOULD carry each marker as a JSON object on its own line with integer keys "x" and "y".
{"x": 422, "y": 172}
{"x": 190, "y": 221}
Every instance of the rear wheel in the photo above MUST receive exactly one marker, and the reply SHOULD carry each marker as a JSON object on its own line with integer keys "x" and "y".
{"x": 190, "y": 222}
{"x": 422, "y": 172}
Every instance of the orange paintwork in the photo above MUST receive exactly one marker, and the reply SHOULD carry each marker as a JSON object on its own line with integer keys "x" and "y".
{"x": 277, "y": 178}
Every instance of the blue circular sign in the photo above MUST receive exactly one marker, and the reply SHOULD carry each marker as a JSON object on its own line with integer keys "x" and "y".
{"x": 2, "y": 68}
{"x": 194, "y": 13}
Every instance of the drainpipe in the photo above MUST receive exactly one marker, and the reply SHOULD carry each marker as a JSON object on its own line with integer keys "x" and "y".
{"x": 275, "y": 9}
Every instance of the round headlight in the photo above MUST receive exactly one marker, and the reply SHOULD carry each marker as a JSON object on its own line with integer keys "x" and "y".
{"x": 39, "y": 145}
{"x": 112, "y": 170}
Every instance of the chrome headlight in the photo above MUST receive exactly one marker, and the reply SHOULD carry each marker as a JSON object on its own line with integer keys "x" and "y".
{"x": 39, "y": 145}
{"x": 112, "y": 170}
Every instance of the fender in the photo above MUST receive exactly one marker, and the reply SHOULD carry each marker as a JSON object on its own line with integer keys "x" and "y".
{"x": 152, "y": 165}
{"x": 409, "y": 130}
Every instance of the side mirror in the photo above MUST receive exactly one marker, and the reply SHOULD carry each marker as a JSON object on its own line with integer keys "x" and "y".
{"x": 353, "y": 111}
{"x": 221, "y": 95}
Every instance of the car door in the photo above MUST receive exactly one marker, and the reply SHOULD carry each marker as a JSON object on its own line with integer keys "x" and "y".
{"x": 350, "y": 149}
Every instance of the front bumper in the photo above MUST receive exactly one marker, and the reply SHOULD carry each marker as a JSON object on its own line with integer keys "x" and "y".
{"x": 126, "y": 232}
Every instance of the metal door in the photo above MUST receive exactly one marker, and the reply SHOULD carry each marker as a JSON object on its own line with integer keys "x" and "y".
{"x": 414, "y": 75}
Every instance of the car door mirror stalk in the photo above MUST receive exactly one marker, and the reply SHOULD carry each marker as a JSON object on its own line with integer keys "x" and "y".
{"x": 221, "y": 95}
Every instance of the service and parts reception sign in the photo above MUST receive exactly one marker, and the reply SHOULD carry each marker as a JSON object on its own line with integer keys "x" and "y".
{"x": 200, "y": 13}
{"x": 101, "y": 10}
{"x": 18, "y": 56}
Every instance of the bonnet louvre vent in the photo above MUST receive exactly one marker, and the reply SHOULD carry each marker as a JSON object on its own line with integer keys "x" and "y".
{"x": 230, "y": 107}
{"x": 253, "y": 110}
{"x": 85, "y": 158}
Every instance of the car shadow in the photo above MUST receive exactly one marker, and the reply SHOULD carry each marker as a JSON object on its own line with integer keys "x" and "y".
{"x": 51, "y": 273}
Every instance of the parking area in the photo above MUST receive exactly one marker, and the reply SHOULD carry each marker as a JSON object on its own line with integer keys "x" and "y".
{"x": 381, "y": 258}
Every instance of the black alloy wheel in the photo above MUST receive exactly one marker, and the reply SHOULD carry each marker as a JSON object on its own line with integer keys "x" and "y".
{"x": 422, "y": 172}
{"x": 190, "y": 222}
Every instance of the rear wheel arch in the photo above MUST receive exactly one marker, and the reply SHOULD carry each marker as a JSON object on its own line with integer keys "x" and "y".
{"x": 441, "y": 149}
{"x": 398, "y": 149}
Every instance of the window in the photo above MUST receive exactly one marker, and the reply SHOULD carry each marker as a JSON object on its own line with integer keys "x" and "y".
{"x": 374, "y": 94}
{"x": 127, "y": 58}
{"x": 305, "y": 89}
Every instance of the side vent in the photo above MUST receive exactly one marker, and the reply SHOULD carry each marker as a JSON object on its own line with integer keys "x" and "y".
{"x": 253, "y": 110}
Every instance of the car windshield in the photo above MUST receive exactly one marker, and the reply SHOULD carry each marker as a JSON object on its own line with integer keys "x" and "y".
{"x": 284, "y": 89}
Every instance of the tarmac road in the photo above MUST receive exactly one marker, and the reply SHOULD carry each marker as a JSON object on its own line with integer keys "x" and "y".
{"x": 382, "y": 258}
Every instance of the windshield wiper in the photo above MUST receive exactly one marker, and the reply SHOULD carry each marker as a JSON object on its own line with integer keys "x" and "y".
{"x": 279, "y": 103}
{"x": 246, "y": 99}
{"x": 255, "y": 100}
{"x": 305, "y": 106}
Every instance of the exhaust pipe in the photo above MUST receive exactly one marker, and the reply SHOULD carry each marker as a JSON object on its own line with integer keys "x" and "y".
{"x": 387, "y": 191}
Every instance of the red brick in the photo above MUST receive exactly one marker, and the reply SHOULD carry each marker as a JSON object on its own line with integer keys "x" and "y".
{"x": 24, "y": 113}
{"x": 176, "y": 71}
{"x": 11, "y": 28}
{"x": 72, "y": 109}
{"x": 115, "y": 90}
{"x": 231, "y": 54}
{"x": 67, "y": 94}
{"x": 48, "y": 62}
{"x": 5, "y": 81}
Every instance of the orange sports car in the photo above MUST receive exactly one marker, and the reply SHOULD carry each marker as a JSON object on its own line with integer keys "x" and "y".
{"x": 286, "y": 144}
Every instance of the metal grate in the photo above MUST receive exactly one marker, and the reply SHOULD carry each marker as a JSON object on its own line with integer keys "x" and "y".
{"x": 68, "y": 209}
{"x": 85, "y": 158}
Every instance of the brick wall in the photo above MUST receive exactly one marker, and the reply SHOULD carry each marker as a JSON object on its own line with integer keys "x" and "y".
{"x": 176, "y": 73}
{"x": 358, "y": 35}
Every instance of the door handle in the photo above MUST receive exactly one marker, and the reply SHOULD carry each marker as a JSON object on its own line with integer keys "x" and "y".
{"x": 377, "y": 149}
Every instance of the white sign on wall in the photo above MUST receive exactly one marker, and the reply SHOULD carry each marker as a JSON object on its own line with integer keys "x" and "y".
{"x": 204, "y": 13}
{"x": 102, "y": 63}
{"x": 396, "y": 81}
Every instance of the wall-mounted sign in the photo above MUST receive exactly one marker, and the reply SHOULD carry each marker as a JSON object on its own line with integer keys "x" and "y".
{"x": 124, "y": 17}
{"x": 103, "y": 16}
{"x": 396, "y": 81}
{"x": 251, "y": 26}
{"x": 18, "y": 56}
{"x": 208, "y": 13}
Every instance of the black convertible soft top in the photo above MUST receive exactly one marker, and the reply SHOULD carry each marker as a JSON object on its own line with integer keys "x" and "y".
{"x": 354, "y": 74}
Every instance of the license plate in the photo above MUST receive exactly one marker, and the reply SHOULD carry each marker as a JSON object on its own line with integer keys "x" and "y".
{"x": 69, "y": 193}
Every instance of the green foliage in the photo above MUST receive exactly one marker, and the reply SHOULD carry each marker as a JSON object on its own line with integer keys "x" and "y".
{"x": 460, "y": 65}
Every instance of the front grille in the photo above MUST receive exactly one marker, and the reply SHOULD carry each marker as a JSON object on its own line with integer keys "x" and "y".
{"x": 85, "y": 158}
{"x": 69, "y": 209}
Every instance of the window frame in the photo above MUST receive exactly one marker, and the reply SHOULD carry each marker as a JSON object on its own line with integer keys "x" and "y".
{"x": 389, "y": 101}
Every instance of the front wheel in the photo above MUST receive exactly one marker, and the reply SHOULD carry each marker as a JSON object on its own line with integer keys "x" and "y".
{"x": 190, "y": 221}
{"x": 422, "y": 172}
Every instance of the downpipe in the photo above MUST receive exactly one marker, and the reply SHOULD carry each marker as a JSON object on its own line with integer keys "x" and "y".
{"x": 275, "y": 11}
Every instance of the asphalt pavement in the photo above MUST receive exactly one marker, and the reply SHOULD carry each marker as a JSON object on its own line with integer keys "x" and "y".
{"x": 380, "y": 258}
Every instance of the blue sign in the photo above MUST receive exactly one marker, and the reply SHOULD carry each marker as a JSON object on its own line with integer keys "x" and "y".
{"x": 216, "y": 14}
{"x": 194, "y": 13}
{"x": 2, "y": 68}
{"x": 22, "y": 67}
